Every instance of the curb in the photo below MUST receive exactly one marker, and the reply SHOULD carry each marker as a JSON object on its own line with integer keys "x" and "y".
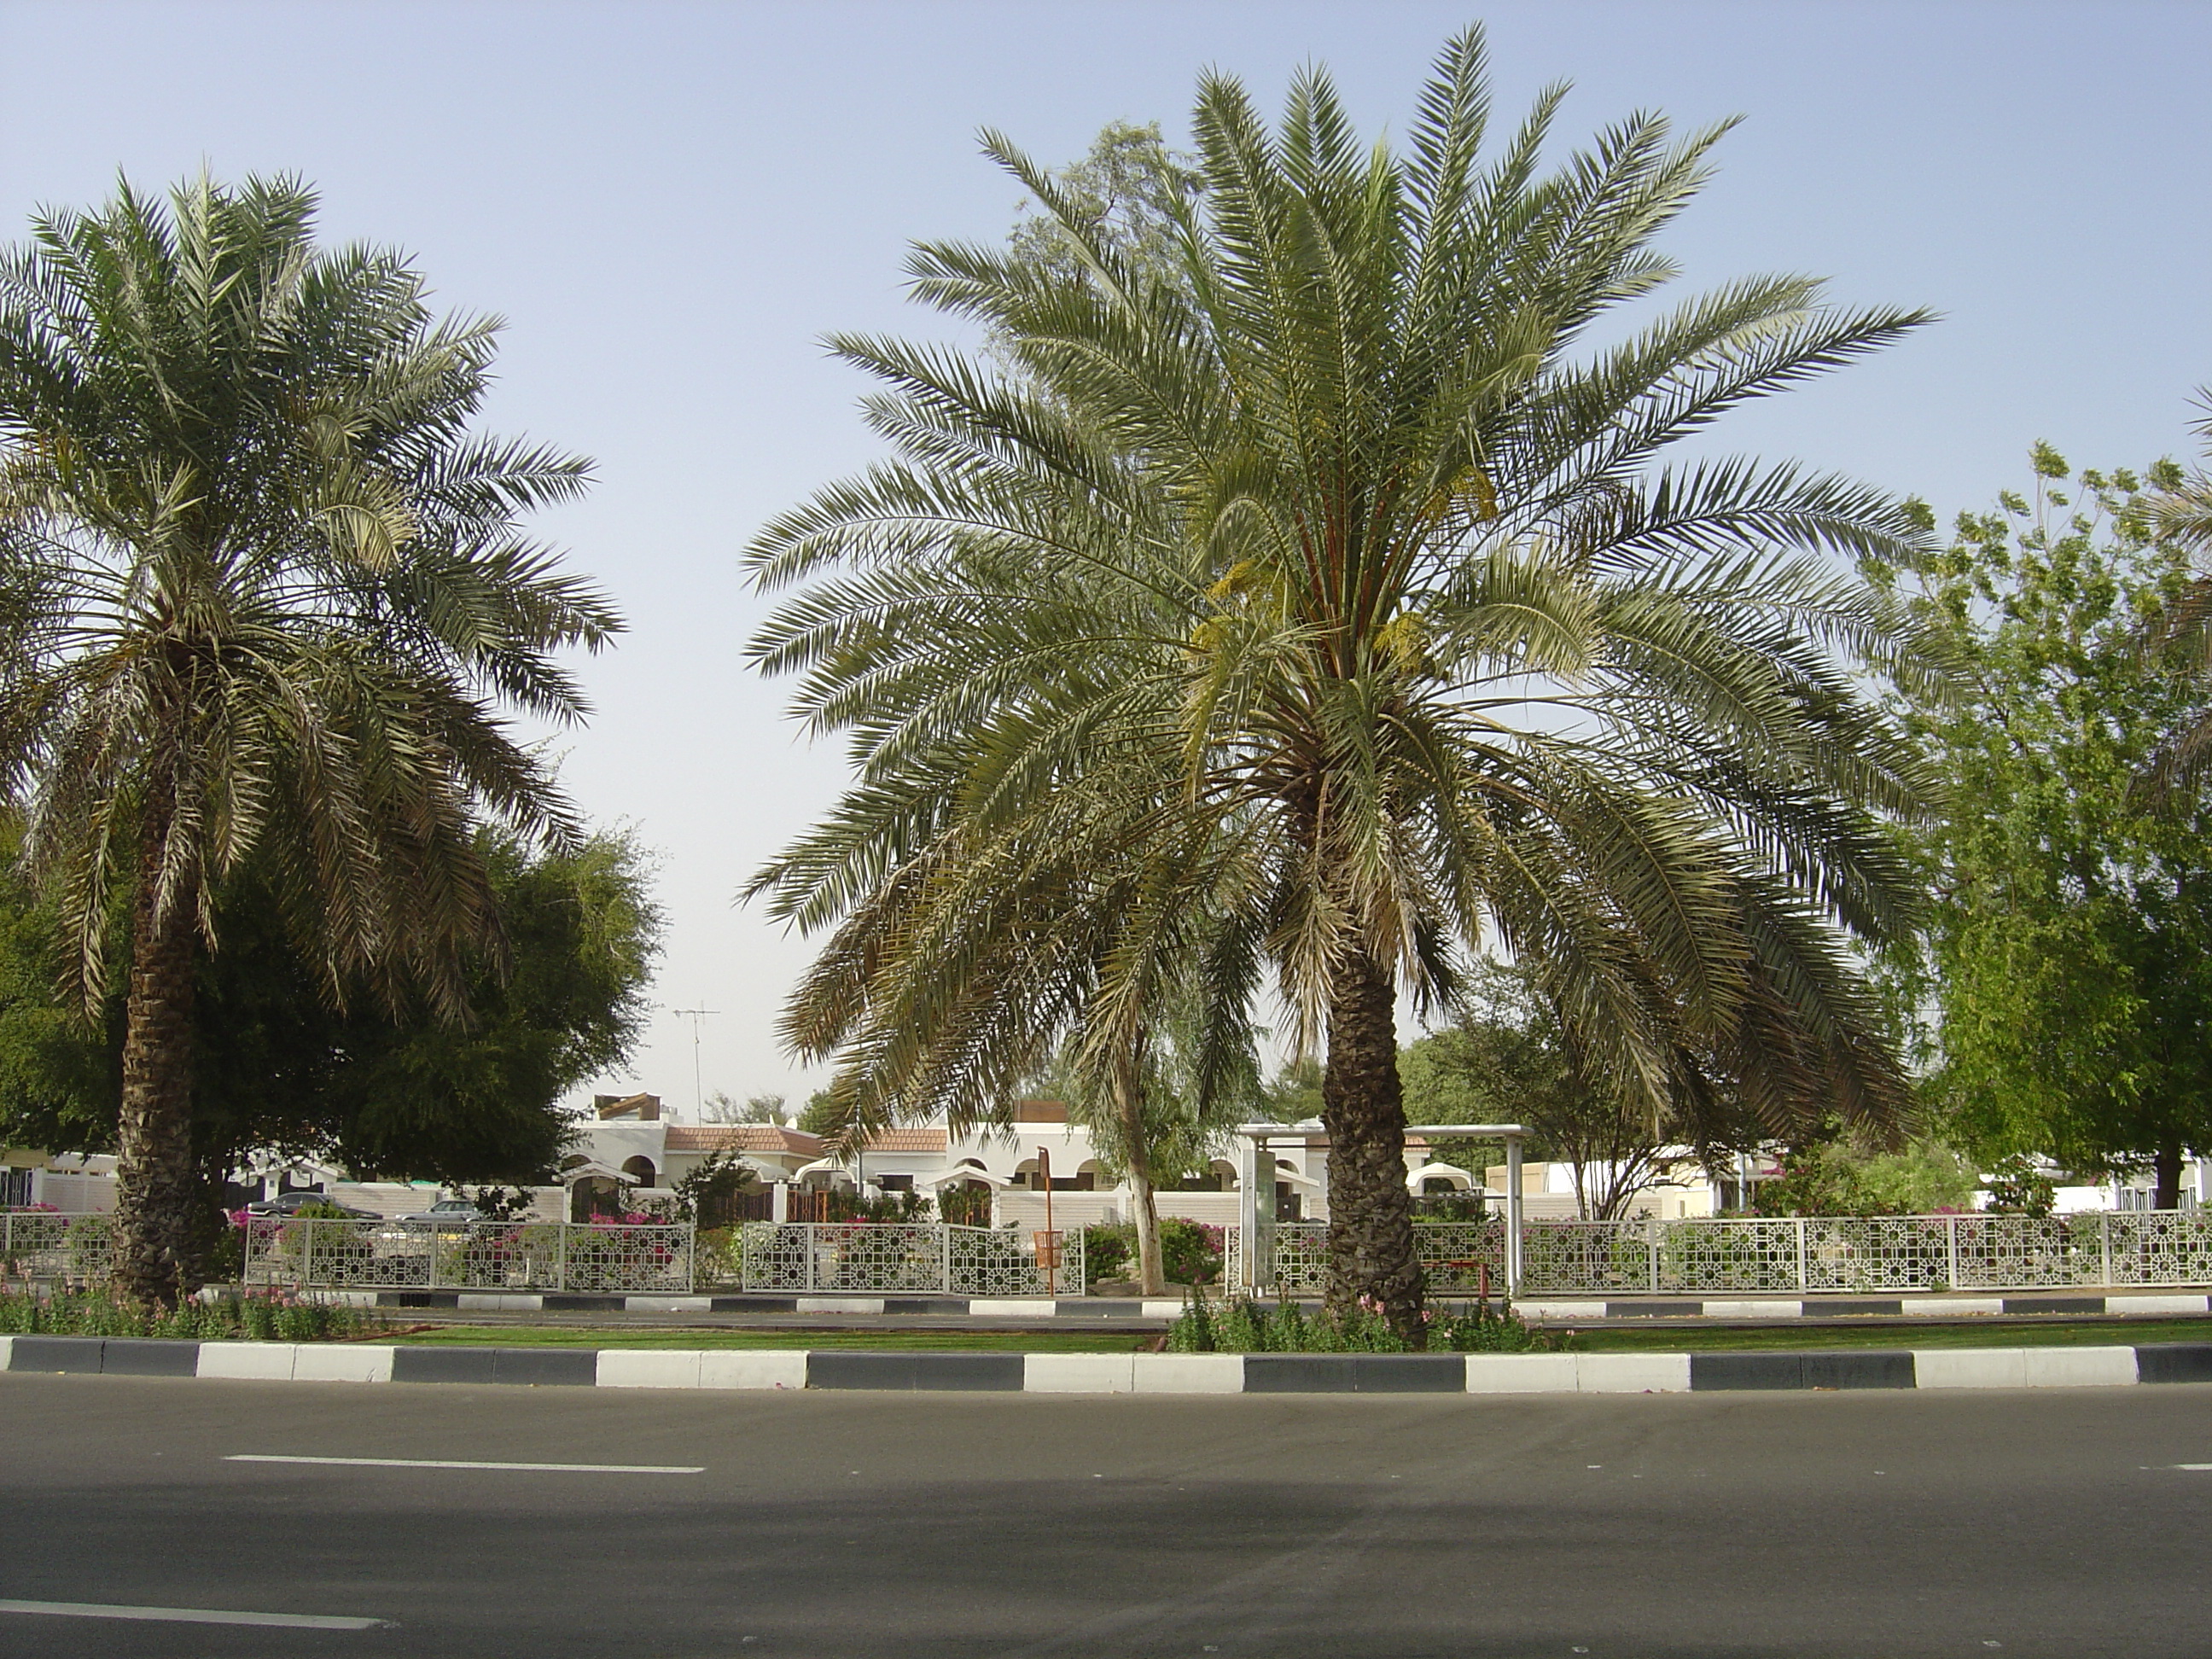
{"x": 1108, "y": 1373}
{"x": 1552, "y": 1309}
{"x": 1547, "y": 1310}
{"x": 969, "y": 1307}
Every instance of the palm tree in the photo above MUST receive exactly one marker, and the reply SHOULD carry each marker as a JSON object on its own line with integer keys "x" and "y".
{"x": 279, "y": 592}
{"x": 1343, "y": 533}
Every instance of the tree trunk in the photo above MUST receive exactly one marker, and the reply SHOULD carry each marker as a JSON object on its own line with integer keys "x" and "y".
{"x": 2166, "y": 1167}
{"x": 1371, "y": 1227}
{"x": 1152, "y": 1274}
{"x": 155, "y": 1193}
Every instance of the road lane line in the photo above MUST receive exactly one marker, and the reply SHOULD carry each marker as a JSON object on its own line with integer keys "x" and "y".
{"x": 460, "y": 1463}
{"x": 194, "y": 1616}
{"x": 2199, "y": 1466}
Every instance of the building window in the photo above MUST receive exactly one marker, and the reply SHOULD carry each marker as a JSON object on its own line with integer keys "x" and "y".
{"x": 897, "y": 1183}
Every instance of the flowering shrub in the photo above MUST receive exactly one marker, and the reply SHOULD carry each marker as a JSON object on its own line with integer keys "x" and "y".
{"x": 1190, "y": 1251}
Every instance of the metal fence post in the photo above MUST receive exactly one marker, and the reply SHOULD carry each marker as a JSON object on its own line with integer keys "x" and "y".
{"x": 690, "y": 1257}
{"x": 1804, "y": 1279}
{"x": 945, "y": 1256}
{"x": 1951, "y": 1248}
{"x": 1651, "y": 1225}
{"x": 2105, "y": 1248}
{"x": 811, "y": 1247}
{"x": 561, "y": 1256}
{"x": 307, "y": 1252}
{"x": 430, "y": 1236}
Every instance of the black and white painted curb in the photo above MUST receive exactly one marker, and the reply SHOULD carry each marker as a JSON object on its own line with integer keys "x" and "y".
{"x": 1093, "y": 1306}
{"x": 1556, "y": 1311}
{"x": 1123, "y": 1373}
{"x": 1546, "y": 1309}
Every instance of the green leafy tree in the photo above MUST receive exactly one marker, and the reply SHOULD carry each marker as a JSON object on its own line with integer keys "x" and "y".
{"x": 2068, "y": 970}
{"x": 1510, "y": 1058}
{"x": 280, "y": 593}
{"x": 1324, "y": 610}
{"x": 820, "y": 1115}
{"x": 403, "y": 1093}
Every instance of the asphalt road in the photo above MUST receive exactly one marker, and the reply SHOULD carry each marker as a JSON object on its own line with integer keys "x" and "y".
{"x": 828, "y": 1525}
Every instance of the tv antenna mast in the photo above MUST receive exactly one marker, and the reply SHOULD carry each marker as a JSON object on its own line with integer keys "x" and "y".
{"x": 698, "y": 1017}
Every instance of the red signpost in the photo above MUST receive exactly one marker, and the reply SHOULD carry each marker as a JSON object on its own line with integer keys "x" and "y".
{"x": 1047, "y": 1242}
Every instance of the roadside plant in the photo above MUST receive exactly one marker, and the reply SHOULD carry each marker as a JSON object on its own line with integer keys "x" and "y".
{"x": 1243, "y": 1325}
{"x": 275, "y": 1315}
{"x": 2018, "y": 1186}
{"x": 1313, "y": 617}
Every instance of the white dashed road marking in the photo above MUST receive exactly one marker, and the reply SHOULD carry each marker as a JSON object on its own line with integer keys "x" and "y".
{"x": 192, "y": 1615}
{"x": 457, "y": 1463}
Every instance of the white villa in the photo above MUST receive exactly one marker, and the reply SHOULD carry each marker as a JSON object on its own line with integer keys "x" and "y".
{"x": 629, "y": 1152}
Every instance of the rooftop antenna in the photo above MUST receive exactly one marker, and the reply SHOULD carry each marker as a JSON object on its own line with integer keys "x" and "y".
{"x": 698, "y": 1017}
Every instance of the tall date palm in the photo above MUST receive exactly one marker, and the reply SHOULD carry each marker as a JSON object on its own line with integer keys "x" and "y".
{"x": 1328, "y": 584}
{"x": 276, "y": 593}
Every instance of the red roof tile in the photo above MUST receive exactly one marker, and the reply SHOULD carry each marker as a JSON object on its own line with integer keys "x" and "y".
{"x": 741, "y": 1138}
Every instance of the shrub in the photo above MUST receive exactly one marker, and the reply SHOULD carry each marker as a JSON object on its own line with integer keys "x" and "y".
{"x": 1190, "y": 1251}
{"x": 970, "y": 1207}
{"x": 1245, "y": 1326}
{"x": 258, "y": 1316}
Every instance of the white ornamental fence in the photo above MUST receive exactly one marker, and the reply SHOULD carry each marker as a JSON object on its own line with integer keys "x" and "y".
{"x": 907, "y": 1258}
{"x": 40, "y": 1244}
{"x": 319, "y": 1253}
{"x": 2103, "y": 1248}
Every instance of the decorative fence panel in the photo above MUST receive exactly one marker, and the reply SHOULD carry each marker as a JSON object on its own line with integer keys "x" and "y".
{"x": 71, "y": 1250}
{"x": 1715, "y": 1255}
{"x": 2158, "y": 1246}
{"x": 904, "y": 1258}
{"x": 321, "y": 1252}
{"x": 1453, "y": 1253}
{"x": 1751, "y": 1255}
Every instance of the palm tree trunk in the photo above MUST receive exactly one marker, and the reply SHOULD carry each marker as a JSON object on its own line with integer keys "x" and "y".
{"x": 1152, "y": 1275}
{"x": 1129, "y": 1104}
{"x": 155, "y": 1193}
{"x": 1371, "y": 1227}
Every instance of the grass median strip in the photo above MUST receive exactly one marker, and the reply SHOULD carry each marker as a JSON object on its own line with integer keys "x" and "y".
{"x": 1916, "y": 1333}
{"x": 587, "y": 1336}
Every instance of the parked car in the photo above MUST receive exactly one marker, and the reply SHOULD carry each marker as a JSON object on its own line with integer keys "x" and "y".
{"x": 288, "y": 1204}
{"x": 445, "y": 1213}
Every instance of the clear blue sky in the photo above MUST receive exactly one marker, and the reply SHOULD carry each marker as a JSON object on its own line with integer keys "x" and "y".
{"x": 671, "y": 204}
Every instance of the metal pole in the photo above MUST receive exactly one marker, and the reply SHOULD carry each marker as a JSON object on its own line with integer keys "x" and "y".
{"x": 944, "y": 1241}
{"x": 2105, "y": 1248}
{"x": 1803, "y": 1282}
{"x": 561, "y": 1255}
{"x": 1052, "y": 1258}
{"x": 1951, "y": 1247}
{"x": 1513, "y": 1253}
{"x": 1651, "y": 1243}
